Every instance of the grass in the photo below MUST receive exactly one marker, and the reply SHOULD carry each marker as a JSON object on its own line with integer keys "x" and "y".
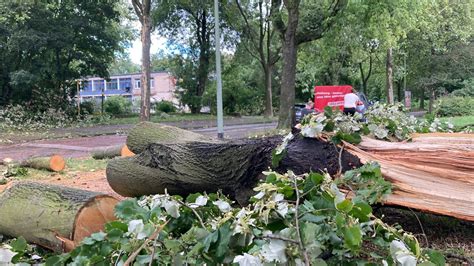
{"x": 134, "y": 118}
{"x": 73, "y": 167}
{"x": 460, "y": 121}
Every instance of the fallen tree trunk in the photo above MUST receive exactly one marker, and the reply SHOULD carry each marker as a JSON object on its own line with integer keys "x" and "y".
{"x": 112, "y": 152}
{"x": 53, "y": 163}
{"x": 108, "y": 152}
{"x": 54, "y": 217}
{"x": 433, "y": 173}
{"x": 144, "y": 133}
{"x": 233, "y": 167}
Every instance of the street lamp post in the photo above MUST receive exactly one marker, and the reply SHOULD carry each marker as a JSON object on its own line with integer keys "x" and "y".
{"x": 220, "y": 117}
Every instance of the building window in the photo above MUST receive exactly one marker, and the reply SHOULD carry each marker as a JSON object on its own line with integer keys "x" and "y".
{"x": 86, "y": 85}
{"x": 99, "y": 84}
{"x": 152, "y": 83}
{"x": 137, "y": 84}
{"x": 112, "y": 84}
{"x": 125, "y": 84}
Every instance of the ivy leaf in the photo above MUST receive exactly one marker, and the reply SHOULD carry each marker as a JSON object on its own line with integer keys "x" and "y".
{"x": 129, "y": 209}
{"x": 344, "y": 206}
{"x": 100, "y": 236}
{"x": 225, "y": 233}
{"x": 19, "y": 245}
{"x": 352, "y": 237}
{"x": 361, "y": 211}
{"x": 210, "y": 239}
{"x": 436, "y": 257}
{"x": 116, "y": 225}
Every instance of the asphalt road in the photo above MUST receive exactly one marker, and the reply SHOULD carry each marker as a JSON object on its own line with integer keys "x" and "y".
{"x": 83, "y": 146}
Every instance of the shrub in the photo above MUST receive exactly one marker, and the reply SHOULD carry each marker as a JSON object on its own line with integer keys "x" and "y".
{"x": 165, "y": 107}
{"x": 87, "y": 108}
{"x": 18, "y": 117}
{"x": 455, "y": 106}
{"x": 117, "y": 105}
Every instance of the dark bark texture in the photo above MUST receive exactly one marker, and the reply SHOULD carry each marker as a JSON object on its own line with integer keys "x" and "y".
{"x": 233, "y": 167}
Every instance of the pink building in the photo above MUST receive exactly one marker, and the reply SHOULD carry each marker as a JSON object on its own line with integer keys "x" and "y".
{"x": 162, "y": 86}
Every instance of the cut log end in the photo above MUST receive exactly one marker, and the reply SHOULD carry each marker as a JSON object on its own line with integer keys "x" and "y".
{"x": 126, "y": 152}
{"x": 57, "y": 163}
{"x": 93, "y": 217}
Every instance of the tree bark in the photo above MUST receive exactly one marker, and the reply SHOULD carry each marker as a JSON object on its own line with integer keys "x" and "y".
{"x": 54, "y": 217}
{"x": 53, "y": 163}
{"x": 145, "y": 79}
{"x": 145, "y": 133}
{"x": 431, "y": 103}
{"x": 286, "y": 116}
{"x": 422, "y": 99}
{"x": 107, "y": 153}
{"x": 268, "y": 92}
{"x": 143, "y": 10}
{"x": 233, "y": 167}
{"x": 389, "y": 85}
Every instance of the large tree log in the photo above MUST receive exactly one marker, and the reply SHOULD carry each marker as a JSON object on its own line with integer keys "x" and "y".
{"x": 54, "y": 217}
{"x": 53, "y": 163}
{"x": 433, "y": 173}
{"x": 144, "y": 133}
{"x": 233, "y": 167}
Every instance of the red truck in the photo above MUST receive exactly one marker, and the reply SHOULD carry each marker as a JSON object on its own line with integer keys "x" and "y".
{"x": 327, "y": 96}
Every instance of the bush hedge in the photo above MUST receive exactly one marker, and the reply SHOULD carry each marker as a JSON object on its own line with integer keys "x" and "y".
{"x": 455, "y": 106}
{"x": 165, "y": 107}
{"x": 117, "y": 105}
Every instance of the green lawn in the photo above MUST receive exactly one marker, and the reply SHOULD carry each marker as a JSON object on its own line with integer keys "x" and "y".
{"x": 132, "y": 119}
{"x": 460, "y": 121}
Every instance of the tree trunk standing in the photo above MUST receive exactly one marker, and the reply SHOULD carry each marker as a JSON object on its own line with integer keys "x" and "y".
{"x": 390, "y": 76}
{"x": 268, "y": 92}
{"x": 203, "y": 37}
{"x": 145, "y": 80}
{"x": 422, "y": 99}
{"x": 143, "y": 10}
{"x": 432, "y": 98}
{"x": 286, "y": 116}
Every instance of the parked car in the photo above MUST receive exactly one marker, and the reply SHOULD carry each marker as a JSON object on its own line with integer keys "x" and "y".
{"x": 301, "y": 111}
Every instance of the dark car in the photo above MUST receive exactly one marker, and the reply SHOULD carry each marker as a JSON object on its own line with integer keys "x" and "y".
{"x": 301, "y": 111}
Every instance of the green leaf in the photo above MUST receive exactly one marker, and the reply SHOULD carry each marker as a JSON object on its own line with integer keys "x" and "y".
{"x": 319, "y": 262}
{"x": 361, "y": 211}
{"x": 100, "y": 236}
{"x": 328, "y": 111}
{"x": 88, "y": 241}
{"x": 271, "y": 178}
{"x": 115, "y": 234}
{"x": 316, "y": 178}
{"x": 129, "y": 209}
{"x": 276, "y": 158}
{"x": 313, "y": 218}
{"x": 329, "y": 127}
{"x": 210, "y": 239}
{"x": 344, "y": 206}
{"x": 116, "y": 225}
{"x": 352, "y": 236}
{"x": 19, "y": 245}
{"x": 225, "y": 233}
{"x": 436, "y": 257}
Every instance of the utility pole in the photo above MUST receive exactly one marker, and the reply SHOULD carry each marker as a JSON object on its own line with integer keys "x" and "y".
{"x": 78, "y": 98}
{"x": 220, "y": 117}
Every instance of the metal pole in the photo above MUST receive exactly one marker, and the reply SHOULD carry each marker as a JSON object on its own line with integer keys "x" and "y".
{"x": 220, "y": 117}
{"x": 78, "y": 99}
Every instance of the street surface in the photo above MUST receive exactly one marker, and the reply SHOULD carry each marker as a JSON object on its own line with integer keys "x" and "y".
{"x": 83, "y": 146}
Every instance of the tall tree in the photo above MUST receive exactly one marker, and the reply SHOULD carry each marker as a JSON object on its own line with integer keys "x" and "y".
{"x": 190, "y": 25}
{"x": 305, "y": 22}
{"x": 257, "y": 37}
{"x": 143, "y": 11}
{"x": 45, "y": 46}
